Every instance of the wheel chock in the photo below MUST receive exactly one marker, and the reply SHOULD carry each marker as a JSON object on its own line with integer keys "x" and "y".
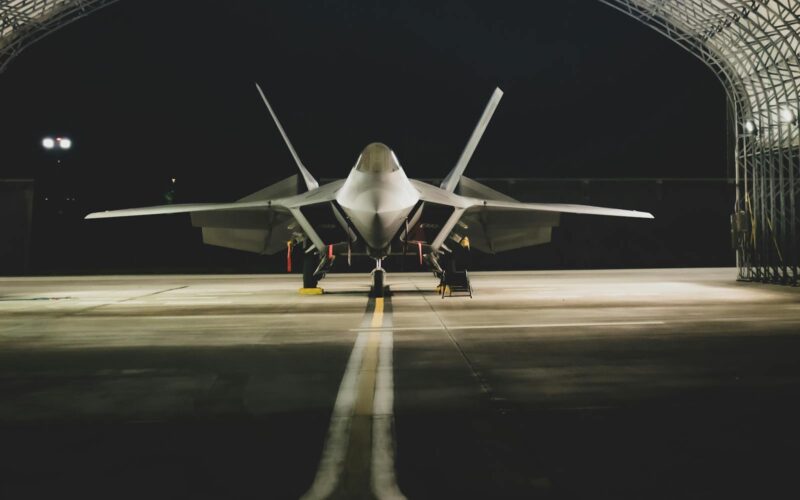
{"x": 311, "y": 291}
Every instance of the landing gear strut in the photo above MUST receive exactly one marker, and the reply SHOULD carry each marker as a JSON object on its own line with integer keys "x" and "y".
{"x": 378, "y": 275}
{"x": 310, "y": 278}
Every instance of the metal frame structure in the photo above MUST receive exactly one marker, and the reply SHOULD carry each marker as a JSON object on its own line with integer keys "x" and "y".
{"x": 23, "y": 22}
{"x": 752, "y": 47}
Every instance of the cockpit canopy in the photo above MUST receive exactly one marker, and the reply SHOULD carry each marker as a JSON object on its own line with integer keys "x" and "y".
{"x": 377, "y": 158}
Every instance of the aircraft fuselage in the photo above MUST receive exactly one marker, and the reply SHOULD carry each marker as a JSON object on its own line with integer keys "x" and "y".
{"x": 377, "y": 197}
{"x": 374, "y": 205}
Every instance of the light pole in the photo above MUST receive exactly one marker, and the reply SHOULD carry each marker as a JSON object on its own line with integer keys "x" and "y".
{"x": 54, "y": 180}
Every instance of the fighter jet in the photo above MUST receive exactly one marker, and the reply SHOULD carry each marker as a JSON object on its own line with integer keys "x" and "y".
{"x": 377, "y": 212}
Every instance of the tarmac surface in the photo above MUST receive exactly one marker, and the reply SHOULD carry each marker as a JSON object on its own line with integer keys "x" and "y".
{"x": 678, "y": 383}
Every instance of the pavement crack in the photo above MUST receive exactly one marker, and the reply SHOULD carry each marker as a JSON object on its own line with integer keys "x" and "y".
{"x": 136, "y": 297}
{"x": 476, "y": 374}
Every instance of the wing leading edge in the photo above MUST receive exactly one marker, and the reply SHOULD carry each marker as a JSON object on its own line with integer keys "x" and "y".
{"x": 186, "y": 208}
{"x": 560, "y": 208}
{"x": 255, "y": 223}
{"x": 495, "y": 222}
{"x": 433, "y": 194}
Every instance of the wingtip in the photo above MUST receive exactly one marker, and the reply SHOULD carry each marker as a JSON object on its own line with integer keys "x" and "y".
{"x": 96, "y": 215}
{"x": 263, "y": 96}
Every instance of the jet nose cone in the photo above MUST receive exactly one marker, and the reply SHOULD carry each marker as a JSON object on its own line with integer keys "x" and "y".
{"x": 377, "y": 158}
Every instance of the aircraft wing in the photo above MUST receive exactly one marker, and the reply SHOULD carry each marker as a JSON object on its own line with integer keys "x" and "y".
{"x": 558, "y": 208}
{"x": 185, "y": 208}
{"x": 497, "y": 200}
{"x": 257, "y": 223}
{"x": 495, "y": 222}
{"x": 495, "y": 226}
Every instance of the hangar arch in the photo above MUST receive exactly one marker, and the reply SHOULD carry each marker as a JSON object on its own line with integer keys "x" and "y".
{"x": 24, "y": 22}
{"x": 752, "y": 47}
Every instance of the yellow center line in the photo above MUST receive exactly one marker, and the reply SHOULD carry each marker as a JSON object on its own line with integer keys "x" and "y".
{"x": 358, "y": 455}
{"x": 355, "y": 482}
{"x": 377, "y": 316}
{"x": 366, "y": 386}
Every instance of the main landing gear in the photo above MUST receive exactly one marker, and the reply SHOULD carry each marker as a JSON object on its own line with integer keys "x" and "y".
{"x": 312, "y": 271}
{"x": 378, "y": 280}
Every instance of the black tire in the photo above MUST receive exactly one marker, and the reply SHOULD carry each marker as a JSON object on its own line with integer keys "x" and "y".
{"x": 377, "y": 283}
{"x": 310, "y": 280}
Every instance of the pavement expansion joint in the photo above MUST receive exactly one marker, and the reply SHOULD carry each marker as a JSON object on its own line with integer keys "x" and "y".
{"x": 358, "y": 456}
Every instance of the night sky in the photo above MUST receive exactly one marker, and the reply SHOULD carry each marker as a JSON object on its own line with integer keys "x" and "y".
{"x": 149, "y": 90}
{"x": 153, "y": 89}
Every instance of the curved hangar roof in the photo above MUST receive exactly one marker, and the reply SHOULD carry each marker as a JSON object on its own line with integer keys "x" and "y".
{"x": 752, "y": 45}
{"x": 23, "y": 22}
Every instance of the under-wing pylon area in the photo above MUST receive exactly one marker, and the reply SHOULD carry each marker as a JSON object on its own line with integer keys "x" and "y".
{"x": 377, "y": 212}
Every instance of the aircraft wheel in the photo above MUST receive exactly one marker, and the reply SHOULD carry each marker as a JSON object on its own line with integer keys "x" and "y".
{"x": 310, "y": 280}
{"x": 378, "y": 283}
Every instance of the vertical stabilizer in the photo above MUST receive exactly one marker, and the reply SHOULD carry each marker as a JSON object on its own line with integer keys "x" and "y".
{"x": 451, "y": 181}
{"x": 309, "y": 179}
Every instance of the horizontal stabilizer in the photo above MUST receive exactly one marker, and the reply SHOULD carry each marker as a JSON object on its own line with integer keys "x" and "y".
{"x": 474, "y": 189}
{"x": 282, "y": 189}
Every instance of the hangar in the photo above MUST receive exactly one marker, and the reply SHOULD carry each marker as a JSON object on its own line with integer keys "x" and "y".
{"x": 751, "y": 46}
{"x": 23, "y": 22}
{"x": 667, "y": 383}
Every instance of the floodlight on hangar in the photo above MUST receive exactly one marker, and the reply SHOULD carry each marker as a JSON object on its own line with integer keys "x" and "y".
{"x": 752, "y": 48}
{"x": 23, "y": 22}
{"x": 787, "y": 115}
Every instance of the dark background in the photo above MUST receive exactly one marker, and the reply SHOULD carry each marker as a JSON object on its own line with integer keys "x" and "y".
{"x": 153, "y": 90}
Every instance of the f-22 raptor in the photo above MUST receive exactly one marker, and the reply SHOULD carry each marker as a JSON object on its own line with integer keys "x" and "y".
{"x": 376, "y": 212}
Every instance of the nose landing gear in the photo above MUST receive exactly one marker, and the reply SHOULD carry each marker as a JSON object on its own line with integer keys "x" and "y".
{"x": 378, "y": 283}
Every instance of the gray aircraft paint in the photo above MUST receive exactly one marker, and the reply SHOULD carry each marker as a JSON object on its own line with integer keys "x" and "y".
{"x": 377, "y": 198}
